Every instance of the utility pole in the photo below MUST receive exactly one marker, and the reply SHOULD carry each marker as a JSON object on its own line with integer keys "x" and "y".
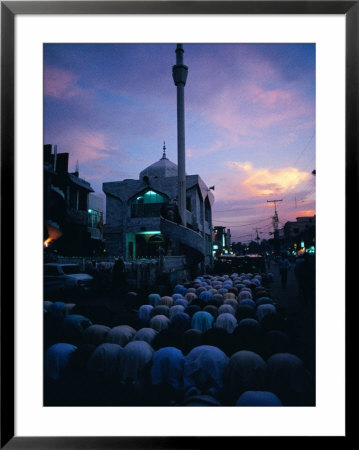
{"x": 275, "y": 224}
{"x": 257, "y": 239}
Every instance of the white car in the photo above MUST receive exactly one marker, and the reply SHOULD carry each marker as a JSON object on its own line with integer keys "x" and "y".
{"x": 61, "y": 278}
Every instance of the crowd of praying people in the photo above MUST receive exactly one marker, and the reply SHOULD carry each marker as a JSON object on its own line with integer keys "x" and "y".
{"x": 215, "y": 341}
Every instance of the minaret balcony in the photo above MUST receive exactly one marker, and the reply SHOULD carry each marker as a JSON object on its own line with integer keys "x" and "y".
{"x": 179, "y": 73}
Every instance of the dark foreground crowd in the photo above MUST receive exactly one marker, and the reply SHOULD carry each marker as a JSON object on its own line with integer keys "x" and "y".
{"x": 216, "y": 341}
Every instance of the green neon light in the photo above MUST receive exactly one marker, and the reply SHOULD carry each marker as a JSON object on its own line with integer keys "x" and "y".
{"x": 148, "y": 232}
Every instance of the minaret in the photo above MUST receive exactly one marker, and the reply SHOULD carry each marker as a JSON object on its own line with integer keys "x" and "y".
{"x": 179, "y": 73}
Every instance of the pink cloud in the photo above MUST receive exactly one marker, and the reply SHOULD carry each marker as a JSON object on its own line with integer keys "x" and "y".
{"x": 249, "y": 182}
{"x": 61, "y": 84}
{"x": 268, "y": 97}
{"x": 199, "y": 152}
{"x": 251, "y": 110}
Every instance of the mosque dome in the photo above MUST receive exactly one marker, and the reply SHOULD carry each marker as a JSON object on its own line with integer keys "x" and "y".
{"x": 161, "y": 169}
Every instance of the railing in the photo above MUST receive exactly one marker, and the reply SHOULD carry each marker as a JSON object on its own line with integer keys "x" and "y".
{"x": 183, "y": 235}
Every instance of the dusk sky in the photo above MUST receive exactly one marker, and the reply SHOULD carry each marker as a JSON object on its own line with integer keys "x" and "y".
{"x": 249, "y": 112}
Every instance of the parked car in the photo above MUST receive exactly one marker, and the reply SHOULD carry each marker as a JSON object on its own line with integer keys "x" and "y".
{"x": 65, "y": 278}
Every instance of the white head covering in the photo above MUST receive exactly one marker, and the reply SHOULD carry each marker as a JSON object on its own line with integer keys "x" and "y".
{"x": 226, "y": 321}
{"x": 167, "y": 367}
{"x": 120, "y": 335}
{"x": 226, "y": 309}
{"x": 136, "y": 355}
{"x": 263, "y": 310}
{"x": 144, "y": 312}
{"x": 159, "y": 322}
{"x": 246, "y": 371}
{"x": 57, "y": 357}
{"x": 175, "y": 310}
{"x": 287, "y": 376}
{"x": 244, "y": 294}
{"x": 105, "y": 360}
{"x": 95, "y": 334}
{"x": 145, "y": 334}
{"x": 204, "y": 366}
{"x": 166, "y": 300}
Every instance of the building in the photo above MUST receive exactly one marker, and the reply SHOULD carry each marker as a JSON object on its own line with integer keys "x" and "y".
{"x": 165, "y": 211}
{"x": 96, "y": 223}
{"x": 138, "y": 219}
{"x": 221, "y": 240}
{"x": 68, "y": 224}
{"x": 300, "y": 234}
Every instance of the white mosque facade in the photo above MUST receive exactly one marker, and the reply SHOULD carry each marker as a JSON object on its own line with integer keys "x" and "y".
{"x": 136, "y": 223}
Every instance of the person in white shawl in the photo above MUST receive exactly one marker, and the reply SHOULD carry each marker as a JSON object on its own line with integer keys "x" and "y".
{"x": 105, "y": 361}
{"x": 203, "y": 370}
{"x": 121, "y": 335}
{"x": 264, "y": 310}
{"x": 145, "y": 334}
{"x": 227, "y": 321}
{"x": 95, "y": 334}
{"x": 57, "y": 358}
{"x": 136, "y": 357}
{"x": 160, "y": 322}
{"x": 226, "y": 309}
{"x": 289, "y": 379}
{"x": 175, "y": 310}
{"x": 246, "y": 371}
{"x": 167, "y": 375}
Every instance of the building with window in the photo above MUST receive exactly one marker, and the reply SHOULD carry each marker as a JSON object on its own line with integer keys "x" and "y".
{"x": 142, "y": 221}
{"x": 221, "y": 240}
{"x": 72, "y": 214}
{"x": 165, "y": 211}
{"x": 300, "y": 234}
{"x": 95, "y": 223}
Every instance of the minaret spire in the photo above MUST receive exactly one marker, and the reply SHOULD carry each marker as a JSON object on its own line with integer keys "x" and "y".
{"x": 179, "y": 73}
{"x": 164, "y": 151}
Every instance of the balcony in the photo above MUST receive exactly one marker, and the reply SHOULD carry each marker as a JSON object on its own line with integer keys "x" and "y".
{"x": 183, "y": 235}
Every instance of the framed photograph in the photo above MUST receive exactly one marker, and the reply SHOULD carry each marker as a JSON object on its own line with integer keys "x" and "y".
{"x": 274, "y": 99}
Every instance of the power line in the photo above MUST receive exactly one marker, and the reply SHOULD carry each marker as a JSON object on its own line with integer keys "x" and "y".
{"x": 245, "y": 224}
{"x": 252, "y": 223}
{"x": 238, "y": 209}
{"x": 306, "y": 146}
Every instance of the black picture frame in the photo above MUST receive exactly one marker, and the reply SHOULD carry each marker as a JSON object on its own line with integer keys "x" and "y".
{"x": 9, "y": 9}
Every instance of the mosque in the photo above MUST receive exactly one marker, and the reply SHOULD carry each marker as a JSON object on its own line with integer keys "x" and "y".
{"x": 165, "y": 211}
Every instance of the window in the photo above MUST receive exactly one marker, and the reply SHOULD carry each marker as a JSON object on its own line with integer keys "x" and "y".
{"x": 207, "y": 211}
{"x": 188, "y": 203}
{"x": 94, "y": 218}
{"x": 68, "y": 270}
{"x": 51, "y": 271}
{"x": 148, "y": 204}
